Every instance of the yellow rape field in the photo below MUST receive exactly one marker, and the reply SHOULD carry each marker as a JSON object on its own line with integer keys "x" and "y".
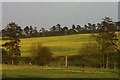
{"x": 59, "y": 45}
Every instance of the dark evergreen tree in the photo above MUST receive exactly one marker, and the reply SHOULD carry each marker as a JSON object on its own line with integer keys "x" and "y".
{"x": 78, "y": 28}
{"x": 26, "y": 30}
{"x": 65, "y": 30}
{"x": 12, "y": 46}
{"x": 31, "y": 31}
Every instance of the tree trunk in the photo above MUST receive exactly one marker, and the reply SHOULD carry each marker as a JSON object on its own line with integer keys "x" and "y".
{"x": 103, "y": 61}
{"x": 107, "y": 61}
{"x": 12, "y": 59}
{"x": 66, "y": 61}
{"x": 12, "y": 62}
{"x": 114, "y": 65}
{"x": 100, "y": 59}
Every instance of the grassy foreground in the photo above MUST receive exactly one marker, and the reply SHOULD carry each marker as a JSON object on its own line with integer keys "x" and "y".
{"x": 12, "y": 71}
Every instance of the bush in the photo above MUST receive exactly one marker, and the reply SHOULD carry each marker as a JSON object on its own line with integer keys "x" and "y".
{"x": 16, "y": 60}
{"x": 6, "y": 58}
{"x": 41, "y": 55}
{"x": 89, "y": 49}
{"x": 89, "y": 55}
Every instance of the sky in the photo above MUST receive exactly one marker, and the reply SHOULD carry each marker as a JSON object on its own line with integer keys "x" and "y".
{"x": 118, "y": 11}
{"x": 0, "y": 15}
{"x": 48, "y": 14}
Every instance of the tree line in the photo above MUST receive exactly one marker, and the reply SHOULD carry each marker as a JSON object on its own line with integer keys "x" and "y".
{"x": 57, "y": 30}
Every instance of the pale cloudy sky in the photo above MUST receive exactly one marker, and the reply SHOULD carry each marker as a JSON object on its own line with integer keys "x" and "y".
{"x": 47, "y": 14}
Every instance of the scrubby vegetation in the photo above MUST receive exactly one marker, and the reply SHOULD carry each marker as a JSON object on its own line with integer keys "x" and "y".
{"x": 40, "y": 55}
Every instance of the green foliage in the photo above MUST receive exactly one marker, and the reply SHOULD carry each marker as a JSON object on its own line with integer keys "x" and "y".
{"x": 89, "y": 54}
{"x": 12, "y": 46}
{"x": 4, "y": 52}
{"x": 26, "y": 30}
{"x": 5, "y": 57}
{"x": 89, "y": 49}
{"x": 107, "y": 39}
{"x": 41, "y": 55}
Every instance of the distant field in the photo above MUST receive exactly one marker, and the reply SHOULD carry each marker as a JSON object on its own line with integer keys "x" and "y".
{"x": 60, "y": 45}
{"x": 10, "y": 71}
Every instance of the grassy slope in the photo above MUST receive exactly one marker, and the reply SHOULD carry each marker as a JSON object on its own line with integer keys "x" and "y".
{"x": 60, "y": 45}
{"x": 56, "y": 72}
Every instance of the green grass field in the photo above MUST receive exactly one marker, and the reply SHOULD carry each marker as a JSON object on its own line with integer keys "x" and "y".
{"x": 10, "y": 71}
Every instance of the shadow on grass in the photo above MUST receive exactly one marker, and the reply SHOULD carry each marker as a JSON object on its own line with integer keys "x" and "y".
{"x": 19, "y": 76}
{"x": 5, "y": 76}
{"x": 23, "y": 76}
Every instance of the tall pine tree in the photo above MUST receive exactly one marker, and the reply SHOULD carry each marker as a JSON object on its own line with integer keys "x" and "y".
{"x": 12, "y": 46}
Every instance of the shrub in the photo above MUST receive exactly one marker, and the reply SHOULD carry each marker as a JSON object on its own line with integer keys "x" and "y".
{"x": 41, "y": 55}
{"x": 89, "y": 55}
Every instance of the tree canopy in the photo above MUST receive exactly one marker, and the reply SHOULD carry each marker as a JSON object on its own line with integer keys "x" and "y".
{"x": 12, "y": 47}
